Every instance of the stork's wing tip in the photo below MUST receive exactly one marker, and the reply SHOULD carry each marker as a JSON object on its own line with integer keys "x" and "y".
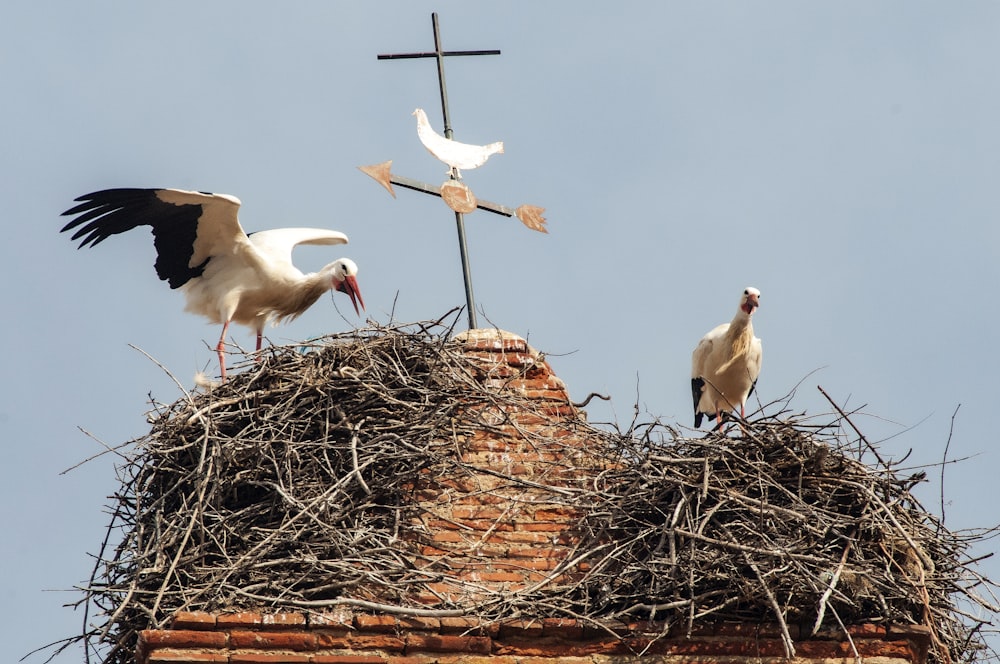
{"x": 531, "y": 216}
{"x": 380, "y": 173}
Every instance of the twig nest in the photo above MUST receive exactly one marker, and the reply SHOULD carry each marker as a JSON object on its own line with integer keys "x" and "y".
{"x": 313, "y": 480}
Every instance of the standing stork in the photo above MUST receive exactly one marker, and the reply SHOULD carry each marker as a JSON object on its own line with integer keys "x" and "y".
{"x": 726, "y": 363}
{"x": 225, "y": 274}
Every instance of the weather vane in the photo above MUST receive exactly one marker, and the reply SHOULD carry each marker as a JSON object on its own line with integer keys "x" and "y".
{"x": 457, "y": 156}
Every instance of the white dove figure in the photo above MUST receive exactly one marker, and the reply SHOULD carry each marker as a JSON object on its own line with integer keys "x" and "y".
{"x": 456, "y": 155}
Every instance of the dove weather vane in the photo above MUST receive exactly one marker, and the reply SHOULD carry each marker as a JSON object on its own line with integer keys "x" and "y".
{"x": 457, "y": 156}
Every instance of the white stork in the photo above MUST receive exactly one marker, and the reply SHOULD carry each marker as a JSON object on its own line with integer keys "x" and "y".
{"x": 225, "y": 274}
{"x": 456, "y": 155}
{"x": 726, "y": 363}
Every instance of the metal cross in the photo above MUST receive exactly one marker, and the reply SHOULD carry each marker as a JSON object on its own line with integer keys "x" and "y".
{"x": 440, "y": 55}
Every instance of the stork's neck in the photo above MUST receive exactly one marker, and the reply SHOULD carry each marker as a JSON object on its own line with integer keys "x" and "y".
{"x": 740, "y": 333}
{"x": 309, "y": 289}
{"x": 741, "y": 320}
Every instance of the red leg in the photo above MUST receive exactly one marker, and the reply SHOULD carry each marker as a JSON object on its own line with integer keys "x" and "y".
{"x": 221, "y": 348}
{"x": 260, "y": 338}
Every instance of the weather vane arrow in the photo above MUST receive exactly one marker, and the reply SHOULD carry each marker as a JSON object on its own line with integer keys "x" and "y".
{"x": 457, "y": 155}
{"x": 456, "y": 195}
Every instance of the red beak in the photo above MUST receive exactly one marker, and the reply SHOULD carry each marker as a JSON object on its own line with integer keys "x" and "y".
{"x": 350, "y": 286}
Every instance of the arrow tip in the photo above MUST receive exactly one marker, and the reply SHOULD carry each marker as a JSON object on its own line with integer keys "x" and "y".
{"x": 380, "y": 173}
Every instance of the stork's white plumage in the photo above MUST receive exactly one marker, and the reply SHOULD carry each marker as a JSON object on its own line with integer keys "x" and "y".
{"x": 726, "y": 363}
{"x": 456, "y": 155}
{"x": 225, "y": 274}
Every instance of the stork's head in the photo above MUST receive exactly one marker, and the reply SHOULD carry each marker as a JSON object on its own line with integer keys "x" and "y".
{"x": 750, "y": 300}
{"x": 345, "y": 280}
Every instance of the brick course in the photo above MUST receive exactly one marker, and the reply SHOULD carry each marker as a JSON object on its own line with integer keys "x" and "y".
{"x": 380, "y": 639}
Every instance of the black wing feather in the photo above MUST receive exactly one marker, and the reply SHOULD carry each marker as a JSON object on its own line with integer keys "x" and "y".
{"x": 696, "y": 385}
{"x": 113, "y": 211}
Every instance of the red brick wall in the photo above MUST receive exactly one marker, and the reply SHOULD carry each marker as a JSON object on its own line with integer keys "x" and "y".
{"x": 502, "y": 524}
{"x": 347, "y": 638}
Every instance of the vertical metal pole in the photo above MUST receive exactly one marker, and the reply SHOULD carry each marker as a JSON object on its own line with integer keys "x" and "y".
{"x": 470, "y": 300}
{"x": 440, "y": 63}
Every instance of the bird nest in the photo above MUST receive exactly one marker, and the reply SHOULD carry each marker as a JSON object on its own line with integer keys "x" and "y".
{"x": 293, "y": 486}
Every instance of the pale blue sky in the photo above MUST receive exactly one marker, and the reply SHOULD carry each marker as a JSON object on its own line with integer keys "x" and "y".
{"x": 842, "y": 157}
